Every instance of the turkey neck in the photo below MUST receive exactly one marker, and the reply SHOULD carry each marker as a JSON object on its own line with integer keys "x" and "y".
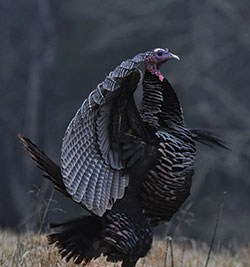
{"x": 160, "y": 104}
{"x": 152, "y": 99}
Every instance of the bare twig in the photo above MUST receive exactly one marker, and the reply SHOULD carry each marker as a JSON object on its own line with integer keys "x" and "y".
{"x": 46, "y": 211}
{"x": 166, "y": 253}
{"x": 183, "y": 252}
{"x": 172, "y": 252}
{"x": 169, "y": 243}
{"x": 215, "y": 228}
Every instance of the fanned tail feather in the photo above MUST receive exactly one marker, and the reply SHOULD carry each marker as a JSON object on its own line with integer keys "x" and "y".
{"x": 42, "y": 161}
{"x": 208, "y": 138}
{"x": 79, "y": 239}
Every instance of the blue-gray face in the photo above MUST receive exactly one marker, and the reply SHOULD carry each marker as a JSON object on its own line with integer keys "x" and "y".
{"x": 162, "y": 55}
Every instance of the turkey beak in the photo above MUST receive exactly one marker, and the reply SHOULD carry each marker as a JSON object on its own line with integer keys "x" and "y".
{"x": 172, "y": 56}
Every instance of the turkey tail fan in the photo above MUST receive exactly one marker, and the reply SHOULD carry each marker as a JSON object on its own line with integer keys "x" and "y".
{"x": 42, "y": 161}
{"x": 208, "y": 138}
{"x": 79, "y": 239}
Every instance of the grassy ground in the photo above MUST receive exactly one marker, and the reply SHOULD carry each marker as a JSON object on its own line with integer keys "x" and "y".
{"x": 32, "y": 250}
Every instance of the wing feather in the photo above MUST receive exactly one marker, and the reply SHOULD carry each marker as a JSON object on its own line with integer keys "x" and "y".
{"x": 123, "y": 183}
{"x": 80, "y": 185}
{"x": 92, "y": 171}
{"x": 99, "y": 187}
{"x": 93, "y": 175}
{"x": 115, "y": 187}
{"x": 109, "y": 176}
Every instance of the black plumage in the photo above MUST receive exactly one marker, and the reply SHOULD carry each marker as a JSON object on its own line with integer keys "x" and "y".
{"x": 132, "y": 169}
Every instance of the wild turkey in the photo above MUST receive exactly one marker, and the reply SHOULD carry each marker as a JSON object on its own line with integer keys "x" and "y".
{"x": 131, "y": 169}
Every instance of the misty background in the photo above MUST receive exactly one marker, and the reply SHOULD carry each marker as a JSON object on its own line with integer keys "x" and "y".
{"x": 54, "y": 53}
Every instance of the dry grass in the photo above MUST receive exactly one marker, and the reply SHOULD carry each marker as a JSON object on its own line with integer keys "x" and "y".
{"x": 32, "y": 250}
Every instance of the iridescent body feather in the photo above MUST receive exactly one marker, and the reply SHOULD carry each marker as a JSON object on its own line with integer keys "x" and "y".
{"x": 132, "y": 169}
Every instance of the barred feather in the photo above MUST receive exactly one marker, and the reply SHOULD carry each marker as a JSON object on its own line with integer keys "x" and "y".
{"x": 86, "y": 146}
